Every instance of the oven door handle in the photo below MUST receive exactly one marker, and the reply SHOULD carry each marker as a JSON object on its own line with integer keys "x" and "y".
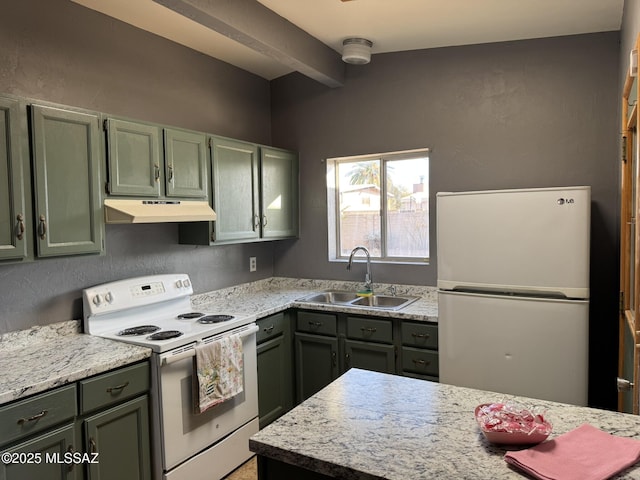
{"x": 191, "y": 351}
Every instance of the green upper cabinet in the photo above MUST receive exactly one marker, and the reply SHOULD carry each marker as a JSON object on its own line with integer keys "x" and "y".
{"x": 254, "y": 195}
{"x": 279, "y": 199}
{"x": 15, "y": 179}
{"x": 147, "y": 160}
{"x": 67, "y": 155}
{"x": 186, "y": 163}
{"x": 235, "y": 189}
{"x": 134, "y": 158}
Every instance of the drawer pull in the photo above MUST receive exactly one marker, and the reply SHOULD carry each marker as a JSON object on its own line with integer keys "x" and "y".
{"x": 369, "y": 330}
{"x": 269, "y": 329}
{"x": 420, "y": 335}
{"x": 117, "y": 388}
{"x": 315, "y": 324}
{"x": 419, "y": 361}
{"x": 34, "y": 418}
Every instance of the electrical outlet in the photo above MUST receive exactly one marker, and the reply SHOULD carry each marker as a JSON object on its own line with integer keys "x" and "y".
{"x": 252, "y": 264}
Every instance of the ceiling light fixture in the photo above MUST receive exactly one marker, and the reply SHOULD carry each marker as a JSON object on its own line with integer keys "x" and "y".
{"x": 356, "y": 51}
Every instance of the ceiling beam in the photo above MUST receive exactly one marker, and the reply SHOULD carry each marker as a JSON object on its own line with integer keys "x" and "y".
{"x": 255, "y": 26}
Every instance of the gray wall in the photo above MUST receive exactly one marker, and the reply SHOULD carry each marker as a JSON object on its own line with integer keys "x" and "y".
{"x": 508, "y": 115}
{"x": 61, "y": 52}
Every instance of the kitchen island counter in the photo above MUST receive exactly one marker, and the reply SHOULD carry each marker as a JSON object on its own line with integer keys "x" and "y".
{"x": 368, "y": 425}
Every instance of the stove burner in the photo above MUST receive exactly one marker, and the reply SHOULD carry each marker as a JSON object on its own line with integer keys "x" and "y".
{"x": 141, "y": 330}
{"x": 215, "y": 318}
{"x": 165, "y": 335}
{"x": 190, "y": 315}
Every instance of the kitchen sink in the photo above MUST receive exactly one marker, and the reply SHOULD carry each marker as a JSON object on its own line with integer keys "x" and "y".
{"x": 383, "y": 301}
{"x": 336, "y": 297}
{"x": 331, "y": 297}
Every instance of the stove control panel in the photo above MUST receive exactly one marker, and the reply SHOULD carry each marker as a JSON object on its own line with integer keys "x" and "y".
{"x": 147, "y": 289}
{"x": 135, "y": 292}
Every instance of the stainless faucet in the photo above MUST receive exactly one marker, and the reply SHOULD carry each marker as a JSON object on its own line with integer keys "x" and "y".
{"x": 368, "y": 280}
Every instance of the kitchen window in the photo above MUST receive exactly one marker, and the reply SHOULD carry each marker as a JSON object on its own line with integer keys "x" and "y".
{"x": 380, "y": 202}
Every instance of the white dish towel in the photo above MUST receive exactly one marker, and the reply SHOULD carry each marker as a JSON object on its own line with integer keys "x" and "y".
{"x": 219, "y": 375}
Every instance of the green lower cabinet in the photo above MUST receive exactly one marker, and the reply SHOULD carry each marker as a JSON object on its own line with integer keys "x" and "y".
{"x": 120, "y": 437}
{"x": 370, "y": 356}
{"x": 43, "y": 457}
{"x": 275, "y": 367}
{"x": 328, "y": 344}
{"x": 67, "y": 158}
{"x": 275, "y": 379}
{"x": 316, "y": 363}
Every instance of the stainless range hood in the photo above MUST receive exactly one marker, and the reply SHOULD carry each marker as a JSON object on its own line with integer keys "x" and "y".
{"x": 157, "y": 211}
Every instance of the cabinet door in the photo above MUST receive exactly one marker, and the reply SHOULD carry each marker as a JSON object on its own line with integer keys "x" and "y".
{"x": 186, "y": 163}
{"x": 279, "y": 200}
{"x": 275, "y": 379}
{"x": 369, "y": 356}
{"x": 67, "y": 158}
{"x": 120, "y": 436}
{"x": 316, "y": 363}
{"x": 50, "y": 448}
{"x": 134, "y": 151}
{"x": 15, "y": 178}
{"x": 235, "y": 189}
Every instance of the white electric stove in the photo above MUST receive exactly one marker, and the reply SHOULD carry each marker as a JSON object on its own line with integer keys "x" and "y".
{"x": 155, "y": 312}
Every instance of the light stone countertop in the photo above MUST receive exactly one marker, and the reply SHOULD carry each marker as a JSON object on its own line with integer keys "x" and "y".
{"x": 273, "y": 295}
{"x": 42, "y": 358}
{"x": 369, "y": 425}
{"x": 45, "y": 357}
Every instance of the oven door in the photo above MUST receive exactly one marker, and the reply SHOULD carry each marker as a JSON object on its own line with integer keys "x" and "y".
{"x": 184, "y": 433}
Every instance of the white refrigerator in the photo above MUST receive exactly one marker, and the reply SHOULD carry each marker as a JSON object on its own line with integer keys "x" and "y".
{"x": 513, "y": 291}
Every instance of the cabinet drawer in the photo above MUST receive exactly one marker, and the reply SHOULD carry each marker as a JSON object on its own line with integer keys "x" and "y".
{"x": 113, "y": 387}
{"x": 37, "y": 413}
{"x": 420, "y": 361}
{"x": 369, "y": 329}
{"x": 270, "y": 327}
{"x": 320, "y": 323}
{"x": 422, "y": 335}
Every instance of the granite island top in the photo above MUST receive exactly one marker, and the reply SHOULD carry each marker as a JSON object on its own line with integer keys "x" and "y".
{"x": 368, "y": 425}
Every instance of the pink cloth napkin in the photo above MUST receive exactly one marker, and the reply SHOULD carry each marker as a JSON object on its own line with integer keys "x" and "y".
{"x": 586, "y": 453}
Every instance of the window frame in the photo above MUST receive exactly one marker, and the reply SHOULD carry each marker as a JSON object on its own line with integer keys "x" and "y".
{"x": 333, "y": 203}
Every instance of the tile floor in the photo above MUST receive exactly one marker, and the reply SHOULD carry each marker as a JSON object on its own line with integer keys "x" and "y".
{"x": 246, "y": 471}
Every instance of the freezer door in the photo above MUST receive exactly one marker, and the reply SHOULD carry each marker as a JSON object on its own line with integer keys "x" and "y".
{"x": 526, "y": 240}
{"x": 513, "y": 345}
